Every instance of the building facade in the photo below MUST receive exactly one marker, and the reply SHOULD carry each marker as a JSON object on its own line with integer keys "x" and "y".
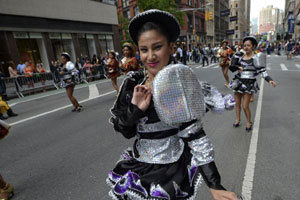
{"x": 40, "y": 33}
{"x": 288, "y": 19}
{"x": 129, "y": 8}
{"x": 239, "y": 20}
{"x": 297, "y": 19}
{"x": 221, "y": 22}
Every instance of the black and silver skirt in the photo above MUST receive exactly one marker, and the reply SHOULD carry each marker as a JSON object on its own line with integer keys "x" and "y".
{"x": 135, "y": 180}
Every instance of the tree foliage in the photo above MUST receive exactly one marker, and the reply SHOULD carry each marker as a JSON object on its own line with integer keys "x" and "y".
{"x": 166, "y": 5}
{"x": 123, "y": 25}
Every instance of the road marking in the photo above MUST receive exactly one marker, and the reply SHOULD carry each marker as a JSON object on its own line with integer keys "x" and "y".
{"x": 59, "y": 92}
{"x": 93, "y": 90}
{"x": 217, "y": 66}
{"x": 283, "y": 67}
{"x": 297, "y": 65}
{"x": 58, "y": 109}
{"x": 247, "y": 186}
{"x": 268, "y": 68}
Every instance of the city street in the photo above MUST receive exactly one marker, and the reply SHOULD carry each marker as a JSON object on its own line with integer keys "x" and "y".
{"x": 54, "y": 154}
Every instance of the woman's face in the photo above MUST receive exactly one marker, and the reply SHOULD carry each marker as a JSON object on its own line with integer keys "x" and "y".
{"x": 126, "y": 52}
{"x": 111, "y": 55}
{"x": 224, "y": 45}
{"x": 248, "y": 47}
{"x": 64, "y": 60}
{"x": 154, "y": 51}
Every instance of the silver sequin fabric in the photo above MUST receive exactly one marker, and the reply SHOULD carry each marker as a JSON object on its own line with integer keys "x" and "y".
{"x": 159, "y": 151}
{"x": 190, "y": 130}
{"x": 142, "y": 127}
{"x": 202, "y": 151}
{"x": 177, "y": 95}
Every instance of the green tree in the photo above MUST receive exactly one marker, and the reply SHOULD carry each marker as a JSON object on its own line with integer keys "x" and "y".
{"x": 166, "y": 5}
{"x": 123, "y": 25}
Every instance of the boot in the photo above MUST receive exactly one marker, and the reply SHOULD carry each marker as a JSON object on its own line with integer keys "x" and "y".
{"x": 11, "y": 113}
{"x": 2, "y": 117}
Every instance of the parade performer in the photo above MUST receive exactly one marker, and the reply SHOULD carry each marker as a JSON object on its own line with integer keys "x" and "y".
{"x": 244, "y": 84}
{"x": 69, "y": 78}
{"x": 129, "y": 62}
{"x": 112, "y": 71}
{"x": 6, "y": 190}
{"x": 171, "y": 155}
{"x": 5, "y": 108}
{"x": 224, "y": 53}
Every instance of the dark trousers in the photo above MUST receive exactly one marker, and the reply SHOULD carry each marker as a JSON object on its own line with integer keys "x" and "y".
{"x": 204, "y": 58}
{"x": 213, "y": 58}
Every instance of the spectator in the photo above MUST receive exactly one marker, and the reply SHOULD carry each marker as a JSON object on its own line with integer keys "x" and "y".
{"x": 87, "y": 68}
{"x": 4, "y": 108}
{"x": 20, "y": 67}
{"x": 28, "y": 71}
{"x": 41, "y": 73}
{"x": 204, "y": 54}
{"x": 13, "y": 73}
{"x": 2, "y": 86}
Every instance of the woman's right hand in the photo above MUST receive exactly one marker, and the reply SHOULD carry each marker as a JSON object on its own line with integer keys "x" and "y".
{"x": 240, "y": 69}
{"x": 141, "y": 97}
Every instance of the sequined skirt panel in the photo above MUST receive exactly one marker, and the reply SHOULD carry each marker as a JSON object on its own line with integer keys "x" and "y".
{"x": 249, "y": 86}
{"x": 135, "y": 180}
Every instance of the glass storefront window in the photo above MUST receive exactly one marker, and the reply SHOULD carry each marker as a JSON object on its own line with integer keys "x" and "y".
{"x": 83, "y": 46}
{"x": 62, "y": 42}
{"x": 31, "y": 47}
{"x": 91, "y": 44}
{"x": 103, "y": 44}
{"x": 110, "y": 43}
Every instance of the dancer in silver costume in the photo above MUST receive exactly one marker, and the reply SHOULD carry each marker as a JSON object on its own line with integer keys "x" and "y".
{"x": 163, "y": 110}
{"x": 244, "y": 84}
{"x": 69, "y": 78}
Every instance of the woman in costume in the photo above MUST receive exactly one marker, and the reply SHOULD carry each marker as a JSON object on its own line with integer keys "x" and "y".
{"x": 129, "y": 62}
{"x": 224, "y": 53}
{"x": 167, "y": 161}
{"x": 244, "y": 84}
{"x": 69, "y": 75}
{"x": 112, "y": 72}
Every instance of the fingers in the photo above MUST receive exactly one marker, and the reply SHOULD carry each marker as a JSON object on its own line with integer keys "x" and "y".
{"x": 141, "y": 89}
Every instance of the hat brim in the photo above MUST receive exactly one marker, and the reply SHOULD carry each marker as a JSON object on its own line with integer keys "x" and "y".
{"x": 157, "y": 16}
{"x": 252, "y": 39}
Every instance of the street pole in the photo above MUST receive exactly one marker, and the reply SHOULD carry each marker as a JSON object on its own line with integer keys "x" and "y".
{"x": 194, "y": 28}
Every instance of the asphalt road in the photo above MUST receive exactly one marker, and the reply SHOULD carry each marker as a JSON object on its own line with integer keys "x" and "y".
{"x": 54, "y": 154}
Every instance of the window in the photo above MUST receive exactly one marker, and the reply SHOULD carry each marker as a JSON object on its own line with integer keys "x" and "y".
{"x": 125, "y": 3}
{"x": 236, "y": 36}
{"x": 196, "y": 4}
{"x": 189, "y": 2}
{"x": 236, "y": 13}
{"x": 236, "y": 28}
{"x": 236, "y": 5}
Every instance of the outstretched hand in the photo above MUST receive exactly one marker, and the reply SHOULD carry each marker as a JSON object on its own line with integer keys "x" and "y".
{"x": 223, "y": 195}
{"x": 141, "y": 97}
{"x": 273, "y": 83}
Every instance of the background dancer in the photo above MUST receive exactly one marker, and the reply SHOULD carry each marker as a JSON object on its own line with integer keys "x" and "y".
{"x": 244, "y": 83}
{"x": 69, "y": 73}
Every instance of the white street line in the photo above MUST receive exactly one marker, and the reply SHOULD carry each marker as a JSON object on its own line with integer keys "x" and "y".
{"x": 297, "y": 65}
{"x": 283, "y": 67}
{"x": 268, "y": 68}
{"x": 93, "y": 90}
{"x": 59, "y": 92}
{"x": 58, "y": 109}
{"x": 247, "y": 186}
{"x": 217, "y": 66}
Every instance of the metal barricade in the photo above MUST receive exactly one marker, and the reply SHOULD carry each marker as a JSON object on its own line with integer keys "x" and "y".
{"x": 27, "y": 84}
{"x": 97, "y": 72}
